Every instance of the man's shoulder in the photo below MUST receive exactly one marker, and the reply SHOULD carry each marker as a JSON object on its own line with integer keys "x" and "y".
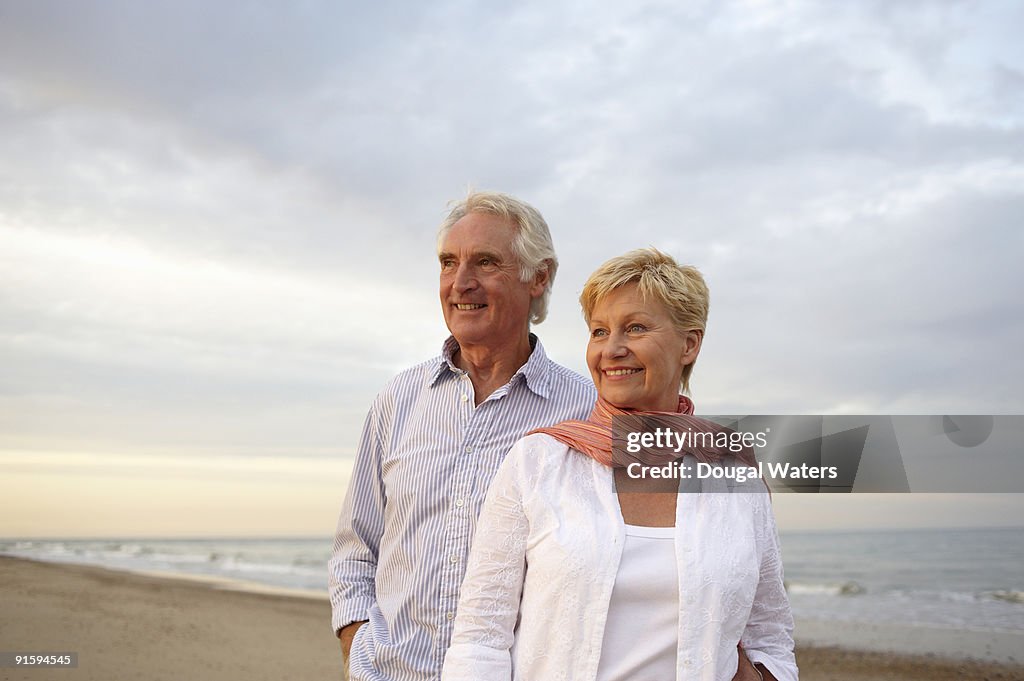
{"x": 567, "y": 375}
{"x": 425, "y": 369}
{"x": 565, "y": 381}
{"x": 409, "y": 380}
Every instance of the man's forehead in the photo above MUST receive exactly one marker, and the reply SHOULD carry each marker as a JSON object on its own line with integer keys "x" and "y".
{"x": 479, "y": 233}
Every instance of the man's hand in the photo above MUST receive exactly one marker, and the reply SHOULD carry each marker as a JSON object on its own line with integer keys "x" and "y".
{"x": 345, "y": 636}
{"x": 745, "y": 670}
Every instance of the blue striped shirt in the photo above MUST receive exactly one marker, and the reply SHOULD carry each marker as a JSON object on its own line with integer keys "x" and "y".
{"x": 425, "y": 460}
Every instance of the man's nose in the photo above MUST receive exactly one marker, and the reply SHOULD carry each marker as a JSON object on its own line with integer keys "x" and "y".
{"x": 465, "y": 279}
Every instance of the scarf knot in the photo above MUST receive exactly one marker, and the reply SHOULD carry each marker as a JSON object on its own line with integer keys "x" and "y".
{"x": 603, "y": 436}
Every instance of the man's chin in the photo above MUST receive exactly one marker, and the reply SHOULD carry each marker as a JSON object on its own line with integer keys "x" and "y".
{"x": 472, "y": 333}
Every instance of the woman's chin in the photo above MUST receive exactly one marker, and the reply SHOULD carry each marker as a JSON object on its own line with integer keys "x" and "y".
{"x": 641, "y": 402}
{"x": 625, "y": 402}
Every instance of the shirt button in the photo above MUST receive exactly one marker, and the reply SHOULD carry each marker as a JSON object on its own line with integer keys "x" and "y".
{"x": 464, "y": 398}
{"x": 450, "y": 615}
{"x": 459, "y": 503}
{"x": 453, "y": 559}
{"x": 468, "y": 449}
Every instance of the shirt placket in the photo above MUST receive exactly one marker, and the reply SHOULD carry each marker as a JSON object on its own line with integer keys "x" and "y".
{"x": 456, "y": 541}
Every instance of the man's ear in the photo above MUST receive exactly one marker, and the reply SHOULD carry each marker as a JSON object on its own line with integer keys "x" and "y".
{"x": 540, "y": 280}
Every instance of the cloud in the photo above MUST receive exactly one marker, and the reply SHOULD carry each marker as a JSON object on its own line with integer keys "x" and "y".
{"x": 217, "y": 222}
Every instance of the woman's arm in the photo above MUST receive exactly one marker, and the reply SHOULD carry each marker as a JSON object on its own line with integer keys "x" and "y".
{"x": 490, "y": 594}
{"x": 768, "y": 637}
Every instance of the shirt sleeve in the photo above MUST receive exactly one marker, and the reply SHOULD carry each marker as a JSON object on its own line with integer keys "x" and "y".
{"x": 489, "y": 599}
{"x": 768, "y": 636}
{"x": 352, "y": 568}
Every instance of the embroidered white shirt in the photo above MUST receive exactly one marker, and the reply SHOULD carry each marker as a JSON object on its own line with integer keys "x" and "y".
{"x": 535, "y": 599}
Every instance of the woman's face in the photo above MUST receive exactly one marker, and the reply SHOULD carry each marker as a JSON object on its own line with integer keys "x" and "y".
{"x": 636, "y": 355}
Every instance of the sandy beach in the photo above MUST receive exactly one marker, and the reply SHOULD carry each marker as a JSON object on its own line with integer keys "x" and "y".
{"x": 130, "y": 626}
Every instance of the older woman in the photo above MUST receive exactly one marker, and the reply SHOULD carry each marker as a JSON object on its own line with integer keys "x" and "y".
{"x": 580, "y": 570}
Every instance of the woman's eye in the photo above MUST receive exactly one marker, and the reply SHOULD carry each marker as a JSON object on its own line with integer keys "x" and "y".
{"x": 636, "y": 328}
{"x": 597, "y": 333}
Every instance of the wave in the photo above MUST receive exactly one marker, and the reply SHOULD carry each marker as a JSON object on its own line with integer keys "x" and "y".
{"x": 852, "y": 588}
{"x": 849, "y": 588}
{"x": 1008, "y": 596}
{"x": 293, "y": 564}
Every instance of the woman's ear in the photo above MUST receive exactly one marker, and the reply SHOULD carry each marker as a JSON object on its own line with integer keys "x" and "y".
{"x": 691, "y": 345}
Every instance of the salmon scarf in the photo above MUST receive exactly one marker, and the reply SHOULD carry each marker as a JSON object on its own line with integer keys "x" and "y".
{"x": 596, "y": 438}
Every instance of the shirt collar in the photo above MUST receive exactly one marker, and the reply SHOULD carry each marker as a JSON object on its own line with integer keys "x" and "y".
{"x": 535, "y": 372}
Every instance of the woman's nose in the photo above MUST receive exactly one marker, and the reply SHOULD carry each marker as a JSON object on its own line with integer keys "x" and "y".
{"x": 617, "y": 346}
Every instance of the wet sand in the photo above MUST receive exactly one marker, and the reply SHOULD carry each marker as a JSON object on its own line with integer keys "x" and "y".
{"x": 147, "y": 628}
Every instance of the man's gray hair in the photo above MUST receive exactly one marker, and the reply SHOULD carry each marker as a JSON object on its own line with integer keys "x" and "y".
{"x": 531, "y": 243}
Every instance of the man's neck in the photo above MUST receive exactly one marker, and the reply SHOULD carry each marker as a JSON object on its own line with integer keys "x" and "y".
{"x": 491, "y": 367}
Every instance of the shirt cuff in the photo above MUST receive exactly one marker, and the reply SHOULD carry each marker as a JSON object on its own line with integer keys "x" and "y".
{"x": 782, "y": 670}
{"x": 353, "y": 610}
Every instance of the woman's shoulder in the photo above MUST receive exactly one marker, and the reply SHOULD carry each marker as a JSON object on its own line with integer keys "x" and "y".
{"x": 540, "y": 452}
{"x": 538, "y": 447}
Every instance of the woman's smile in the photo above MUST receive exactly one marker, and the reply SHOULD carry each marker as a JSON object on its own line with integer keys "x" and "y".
{"x": 636, "y": 354}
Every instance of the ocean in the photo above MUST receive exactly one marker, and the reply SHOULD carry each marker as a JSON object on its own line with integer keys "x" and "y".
{"x": 958, "y": 579}
{"x": 963, "y": 579}
{"x": 292, "y": 564}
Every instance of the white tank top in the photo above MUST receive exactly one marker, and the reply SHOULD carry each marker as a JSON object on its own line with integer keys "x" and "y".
{"x": 642, "y": 631}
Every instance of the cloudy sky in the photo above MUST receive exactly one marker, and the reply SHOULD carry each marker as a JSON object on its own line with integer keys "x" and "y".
{"x": 217, "y": 225}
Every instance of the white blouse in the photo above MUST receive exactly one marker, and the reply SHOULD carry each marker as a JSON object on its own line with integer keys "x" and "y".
{"x": 548, "y": 544}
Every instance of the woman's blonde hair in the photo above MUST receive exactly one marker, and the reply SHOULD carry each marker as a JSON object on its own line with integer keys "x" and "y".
{"x": 680, "y": 288}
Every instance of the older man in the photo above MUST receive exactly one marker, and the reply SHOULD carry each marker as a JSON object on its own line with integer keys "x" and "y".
{"x": 435, "y": 436}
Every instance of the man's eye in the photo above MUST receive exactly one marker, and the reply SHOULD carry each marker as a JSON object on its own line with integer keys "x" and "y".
{"x": 447, "y": 264}
{"x": 486, "y": 263}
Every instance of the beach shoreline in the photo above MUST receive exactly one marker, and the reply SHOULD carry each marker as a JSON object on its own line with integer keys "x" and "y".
{"x": 160, "y": 626}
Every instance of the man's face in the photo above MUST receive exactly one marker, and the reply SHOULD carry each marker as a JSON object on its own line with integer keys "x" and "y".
{"x": 483, "y": 300}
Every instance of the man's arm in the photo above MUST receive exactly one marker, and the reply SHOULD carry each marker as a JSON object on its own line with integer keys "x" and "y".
{"x": 353, "y": 563}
